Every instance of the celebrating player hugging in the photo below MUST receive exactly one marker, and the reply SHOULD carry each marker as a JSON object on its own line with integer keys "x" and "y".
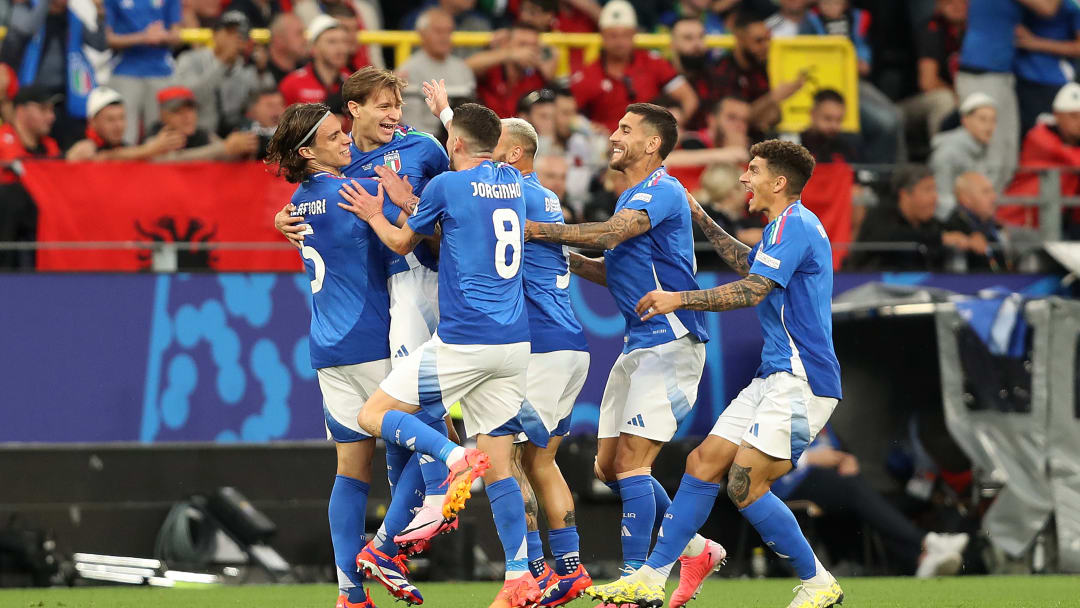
{"x": 445, "y": 280}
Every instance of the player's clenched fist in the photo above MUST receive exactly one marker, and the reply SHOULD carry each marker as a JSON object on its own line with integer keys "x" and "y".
{"x": 362, "y": 204}
{"x": 657, "y": 302}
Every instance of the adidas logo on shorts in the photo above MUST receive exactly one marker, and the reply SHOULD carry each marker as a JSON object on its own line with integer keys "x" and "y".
{"x": 636, "y": 421}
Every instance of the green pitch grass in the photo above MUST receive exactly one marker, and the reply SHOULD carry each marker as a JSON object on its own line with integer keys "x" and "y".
{"x": 970, "y": 591}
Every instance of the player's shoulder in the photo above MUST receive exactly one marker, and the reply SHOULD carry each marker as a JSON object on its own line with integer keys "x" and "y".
{"x": 660, "y": 186}
{"x": 406, "y": 136}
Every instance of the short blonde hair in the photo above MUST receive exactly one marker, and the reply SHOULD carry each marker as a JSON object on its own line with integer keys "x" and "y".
{"x": 524, "y": 132}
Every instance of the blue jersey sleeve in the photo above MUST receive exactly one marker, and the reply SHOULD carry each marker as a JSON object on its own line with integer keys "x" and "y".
{"x": 391, "y": 211}
{"x": 172, "y": 12}
{"x": 112, "y": 11}
{"x": 430, "y": 209}
{"x": 660, "y": 203}
{"x": 782, "y": 250}
{"x": 437, "y": 159}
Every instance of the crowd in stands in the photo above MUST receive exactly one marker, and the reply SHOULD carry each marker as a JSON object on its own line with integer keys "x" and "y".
{"x": 989, "y": 98}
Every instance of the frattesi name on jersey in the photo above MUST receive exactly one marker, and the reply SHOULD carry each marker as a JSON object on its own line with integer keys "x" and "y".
{"x": 310, "y": 208}
{"x": 496, "y": 190}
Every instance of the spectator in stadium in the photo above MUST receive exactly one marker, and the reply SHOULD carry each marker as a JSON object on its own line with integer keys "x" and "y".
{"x": 26, "y": 136}
{"x": 743, "y": 73}
{"x": 141, "y": 32}
{"x": 723, "y": 141}
{"x": 838, "y": 18}
{"x": 433, "y": 61}
{"x": 259, "y": 13}
{"x": 624, "y": 75}
{"x": 938, "y": 46}
{"x": 1053, "y": 143}
{"x": 692, "y": 59}
{"x": 287, "y": 47}
{"x": 965, "y": 148}
{"x": 987, "y": 58}
{"x": 38, "y": 44}
{"x": 829, "y": 478}
{"x": 551, "y": 171}
{"x": 538, "y": 108}
{"x": 1047, "y": 49}
{"x": 911, "y": 224}
{"x": 538, "y": 14}
{"x": 701, "y": 11}
{"x": 219, "y": 76}
{"x": 264, "y": 111}
{"x": 973, "y": 215}
{"x": 724, "y": 199}
{"x": 585, "y": 150}
{"x": 320, "y": 80}
{"x": 825, "y": 138}
{"x": 505, "y": 73}
{"x": 466, "y": 19}
{"x": 794, "y": 18}
{"x": 105, "y": 133}
{"x": 179, "y": 113}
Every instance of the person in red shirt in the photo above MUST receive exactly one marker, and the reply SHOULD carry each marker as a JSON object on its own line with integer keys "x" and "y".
{"x": 320, "y": 80}
{"x": 624, "y": 75}
{"x": 512, "y": 69}
{"x": 26, "y": 136}
{"x": 1048, "y": 144}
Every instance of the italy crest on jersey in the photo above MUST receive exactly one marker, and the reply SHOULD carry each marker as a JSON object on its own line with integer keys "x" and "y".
{"x": 393, "y": 160}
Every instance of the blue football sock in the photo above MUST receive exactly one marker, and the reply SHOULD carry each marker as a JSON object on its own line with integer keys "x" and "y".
{"x": 536, "y": 552}
{"x": 638, "y": 515}
{"x": 508, "y": 510}
{"x": 661, "y": 500}
{"x": 684, "y": 517}
{"x": 564, "y": 547}
{"x": 396, "y": 459}
{"x": 777, "y": 526}
{"x": 433, "y": 469}
{"x": 347, "y": 514}
{"x": 410, "y": 432}
{"x": 408, "y": 496}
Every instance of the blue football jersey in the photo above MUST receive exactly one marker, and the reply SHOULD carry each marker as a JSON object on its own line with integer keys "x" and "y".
{"x": 552, "y": 323}
{"x": 410, "y": 153}
{"x": 482, "y": 214}
{"x": 661, "y": 258}
{"x": 796, "y": 317}
{"x": 343, "y": 257}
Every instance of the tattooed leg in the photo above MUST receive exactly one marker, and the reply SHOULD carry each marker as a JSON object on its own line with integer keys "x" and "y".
{"x": 550, "y": 486}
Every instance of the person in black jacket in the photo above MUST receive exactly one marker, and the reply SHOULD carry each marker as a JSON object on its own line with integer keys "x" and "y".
{"x": 908, "y": 235}
{"x": 974, "y": 216}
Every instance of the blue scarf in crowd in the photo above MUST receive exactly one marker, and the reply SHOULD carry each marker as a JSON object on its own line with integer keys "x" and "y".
{"x": 80, "y": 73}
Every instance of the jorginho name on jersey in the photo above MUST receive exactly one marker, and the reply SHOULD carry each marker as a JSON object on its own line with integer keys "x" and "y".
{"x": 410, "y": 153}
{"x": 552, "y": 323}
{"x": 481, "y": 299}
{"x": 662, "y": 258}
{"x": 796, "y": 318}
{"x": 350, "y": 306}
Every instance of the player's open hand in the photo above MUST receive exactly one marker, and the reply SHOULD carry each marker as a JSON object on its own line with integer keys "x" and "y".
{"x": 435, "y": 96}
{"x": 293, "y": 227}
{"x": 363, "y": 205}
{"x": 657, "y": 302}
{"x": 397, "y": 187}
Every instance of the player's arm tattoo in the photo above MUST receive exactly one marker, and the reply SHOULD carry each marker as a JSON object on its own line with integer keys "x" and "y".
{"x": 624, "y": 225}
{"x": 734, "y": 253}
{"x": 592, "y": 269}
{"x": 738, "y": 485}
{"x": 739, "y": 294}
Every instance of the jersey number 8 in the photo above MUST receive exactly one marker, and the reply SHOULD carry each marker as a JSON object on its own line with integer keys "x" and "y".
{"x": 507, "y": 238}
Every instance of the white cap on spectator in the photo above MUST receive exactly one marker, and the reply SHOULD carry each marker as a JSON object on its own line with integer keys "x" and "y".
{"x": 319, "y": 25}
{"x": 618, "y": 13}
{"x": 1068, "y": 98}
{"x": 976, "y": 101}
{"x": 100, "y": 98}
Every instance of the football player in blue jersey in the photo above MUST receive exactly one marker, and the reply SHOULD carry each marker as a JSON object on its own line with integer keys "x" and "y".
{"x": 382, "y": 146}
{"x": 763, "y": 432}
{"x": 558, "y": 366}
{"x": 350, "y": 318}
{"x": 648, "y": 243}
{"x": 480, "y": 351}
